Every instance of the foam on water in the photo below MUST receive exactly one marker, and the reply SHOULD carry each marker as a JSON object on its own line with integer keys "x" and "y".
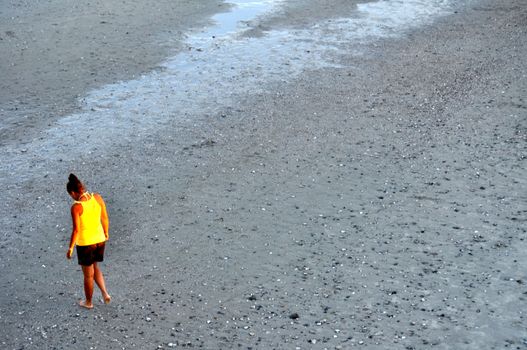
{"x": 220, "y": 65}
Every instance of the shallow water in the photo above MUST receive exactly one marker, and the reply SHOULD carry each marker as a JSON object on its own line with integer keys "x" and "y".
{"x": 219, "y": 65}
{"x": 236, "y": 20}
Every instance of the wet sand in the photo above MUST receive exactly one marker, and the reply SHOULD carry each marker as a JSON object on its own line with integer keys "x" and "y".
{"x": 379, "y": 205}
{"x": 53, "y": 52}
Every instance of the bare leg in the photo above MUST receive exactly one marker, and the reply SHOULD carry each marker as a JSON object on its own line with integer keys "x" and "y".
{"x": 87, "y": 271}
{"x": 99, "y": 279}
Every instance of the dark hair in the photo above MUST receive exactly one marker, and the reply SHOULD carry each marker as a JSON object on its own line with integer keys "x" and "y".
{"x": 74, "y": 184}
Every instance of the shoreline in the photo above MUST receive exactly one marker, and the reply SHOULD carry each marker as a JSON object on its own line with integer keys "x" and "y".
{"x": 56, "y": 52}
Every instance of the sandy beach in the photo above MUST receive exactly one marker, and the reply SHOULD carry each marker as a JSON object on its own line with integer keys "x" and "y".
{"x": 379, "y": 203}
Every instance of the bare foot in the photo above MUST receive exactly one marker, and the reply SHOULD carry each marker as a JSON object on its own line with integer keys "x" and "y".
{"x": 107, "y": 298}
{"x": 85, "y": 305}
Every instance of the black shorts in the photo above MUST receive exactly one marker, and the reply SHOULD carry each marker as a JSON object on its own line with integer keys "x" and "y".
{"x": 88, "y": 254}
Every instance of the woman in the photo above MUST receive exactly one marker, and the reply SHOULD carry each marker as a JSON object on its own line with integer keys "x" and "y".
{"x": 90, "y": 232}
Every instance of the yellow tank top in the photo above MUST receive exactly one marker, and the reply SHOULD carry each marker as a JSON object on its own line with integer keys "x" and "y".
{"x": 90, "y": 230}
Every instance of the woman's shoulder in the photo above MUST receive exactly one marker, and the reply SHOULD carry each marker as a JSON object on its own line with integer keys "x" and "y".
{"x": 98, "y": 197}
{"x": 76, "y": 208}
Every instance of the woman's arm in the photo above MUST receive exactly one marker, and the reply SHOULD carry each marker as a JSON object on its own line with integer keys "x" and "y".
{"x": 104, "y": 215}
{"x": 76, "y": 212}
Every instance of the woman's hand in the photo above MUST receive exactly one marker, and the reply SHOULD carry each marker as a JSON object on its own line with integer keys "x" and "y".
{"x": 69, "y": 253}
